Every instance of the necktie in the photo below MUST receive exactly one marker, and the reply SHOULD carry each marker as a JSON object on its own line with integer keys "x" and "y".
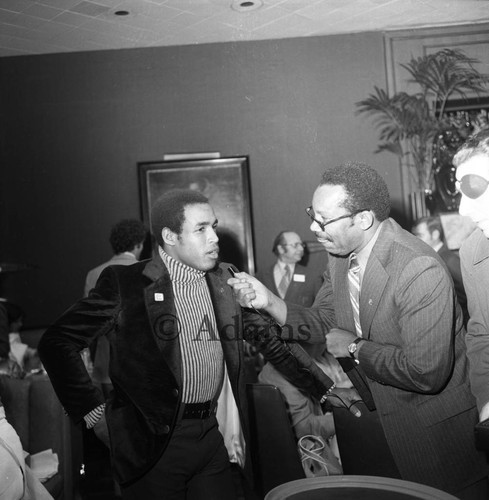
{"x": 284, "y": 282}
{"x": 354, "y": 286}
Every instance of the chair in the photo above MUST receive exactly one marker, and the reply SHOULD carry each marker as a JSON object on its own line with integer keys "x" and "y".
{"x": 273, "y": 443}
{"x": 355, "y": 488}
{"x": 362, "y": 444}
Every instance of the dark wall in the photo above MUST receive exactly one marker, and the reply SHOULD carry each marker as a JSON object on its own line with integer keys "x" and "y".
{"x": 75, "y": 125}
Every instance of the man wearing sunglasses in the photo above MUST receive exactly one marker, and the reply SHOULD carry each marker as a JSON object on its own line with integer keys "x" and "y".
{"x": 388, "y": 304}
{"x": 472, "y": 162}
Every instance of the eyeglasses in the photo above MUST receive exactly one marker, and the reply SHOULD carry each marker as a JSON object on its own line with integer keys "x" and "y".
{"x": 472, "y": 185}
{"x": 295, "y": 245}
{"x": 322, "y": 225}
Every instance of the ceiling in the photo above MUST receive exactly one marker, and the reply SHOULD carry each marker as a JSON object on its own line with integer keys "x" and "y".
{"x": 52, "y": 26}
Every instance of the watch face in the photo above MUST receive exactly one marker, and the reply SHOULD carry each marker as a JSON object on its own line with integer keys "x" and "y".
{"x": 352, "y": 348}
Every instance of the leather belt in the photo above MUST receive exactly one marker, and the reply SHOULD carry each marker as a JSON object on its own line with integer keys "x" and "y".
{"x": 199, "y": 411}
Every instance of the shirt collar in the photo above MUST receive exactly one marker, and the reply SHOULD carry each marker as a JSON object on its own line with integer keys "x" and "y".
{"x": 179, "y": 271}
{"x": 281, "y": 266}
{"x": 364, "y": 253}
{"x": 437, "y": 247}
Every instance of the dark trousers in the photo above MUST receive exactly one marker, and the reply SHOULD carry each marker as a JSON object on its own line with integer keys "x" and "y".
{"x": 195, "y": 466}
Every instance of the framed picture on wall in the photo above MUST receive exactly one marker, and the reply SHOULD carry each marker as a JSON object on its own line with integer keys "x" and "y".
{"x": 225, "y": 182}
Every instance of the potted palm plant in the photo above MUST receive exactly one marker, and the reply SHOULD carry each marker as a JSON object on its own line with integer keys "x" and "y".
{"x": 410, "y": 125}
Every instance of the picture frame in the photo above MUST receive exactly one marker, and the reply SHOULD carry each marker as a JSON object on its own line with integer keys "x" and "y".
{"x": 225, "y": 182}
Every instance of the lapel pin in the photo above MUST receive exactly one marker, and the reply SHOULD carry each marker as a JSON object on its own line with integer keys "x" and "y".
{"x": 370, "y": 302}
{"x": 159, "y": 297}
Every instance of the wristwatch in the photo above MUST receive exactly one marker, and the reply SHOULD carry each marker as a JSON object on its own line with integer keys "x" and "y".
{"x": 352, "y": 348}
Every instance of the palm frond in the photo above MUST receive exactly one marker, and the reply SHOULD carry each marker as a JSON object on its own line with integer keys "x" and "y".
{"x": 446, "y": 72}
{"x": 409, "y": 123}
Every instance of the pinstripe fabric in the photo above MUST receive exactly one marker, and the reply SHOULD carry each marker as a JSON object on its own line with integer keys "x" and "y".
{"x": 415, "y": 358}
{"x": 202, "y": 356}
{"x": 94, "y": 416}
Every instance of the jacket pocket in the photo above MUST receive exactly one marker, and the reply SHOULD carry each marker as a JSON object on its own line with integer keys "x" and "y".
{"x": 449, "y": 403}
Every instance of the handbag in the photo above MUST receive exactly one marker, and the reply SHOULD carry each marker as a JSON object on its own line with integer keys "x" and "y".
{"x": 317, "y": 458}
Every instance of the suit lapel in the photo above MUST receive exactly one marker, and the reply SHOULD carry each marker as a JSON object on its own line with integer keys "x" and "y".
{"x": 271, "y": 280}
{"x": 345, "y": 320}
{"x": 375, "y": 277}
{"x": 227, "y": 316}
{"x": 160, "y": 306}
{"x": 374, "y": 281}
{"x": 373, "y": 284}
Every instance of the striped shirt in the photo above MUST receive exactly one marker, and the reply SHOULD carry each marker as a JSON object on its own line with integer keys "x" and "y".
{"x": 202, "y": 356}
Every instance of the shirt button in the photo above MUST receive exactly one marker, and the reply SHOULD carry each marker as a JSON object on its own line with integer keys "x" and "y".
{"x": 165, "y": 429}
{"x": 175, "y": 392}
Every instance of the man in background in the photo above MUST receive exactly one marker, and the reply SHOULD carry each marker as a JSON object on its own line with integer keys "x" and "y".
{"x": 472, "y": 162}
{"x": 430, "y": 230}
{"x": 306, "y": 414}
{"x": 291, "y": 280}
{"x": 127, "y": 240}
{"x": 287, "y": 278}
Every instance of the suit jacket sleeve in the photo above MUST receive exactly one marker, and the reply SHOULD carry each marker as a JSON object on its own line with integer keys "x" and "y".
{"x": 60, "y": 346}
{"x": 477, "y": 338}
{"x": 289, "y": 358}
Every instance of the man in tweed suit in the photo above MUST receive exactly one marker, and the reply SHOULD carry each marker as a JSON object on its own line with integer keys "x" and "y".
{"x": 409, "y": 343}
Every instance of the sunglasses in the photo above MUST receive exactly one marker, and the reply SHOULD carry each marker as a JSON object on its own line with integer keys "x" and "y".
{"x": 472, "y": 186}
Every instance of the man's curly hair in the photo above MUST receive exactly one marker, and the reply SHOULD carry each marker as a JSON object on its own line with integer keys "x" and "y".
{"x": 168, "y": 210}
{"x": 365, "y": 188}
{"x": 126, "y": 234}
